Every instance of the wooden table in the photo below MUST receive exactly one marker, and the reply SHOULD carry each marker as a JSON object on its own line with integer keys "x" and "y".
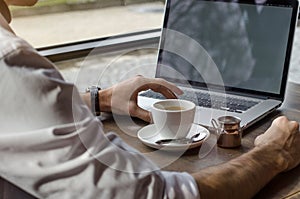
{"x": 285, "y": 185}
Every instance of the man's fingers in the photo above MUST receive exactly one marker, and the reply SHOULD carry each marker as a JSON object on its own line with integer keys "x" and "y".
{"x": 136, "y": 111}
{"x": 294, "y": 126}
{"x": 168, "y": 91}
{"x": 163, "y": 90}
{"x": 257, "y": 141}
{"x": 281, "y": 119}
{"x": 284, "y": 122}
{"x": 172, "y": 87}
{"x": 142, "y": 114}
{"x": 160, "y": 85}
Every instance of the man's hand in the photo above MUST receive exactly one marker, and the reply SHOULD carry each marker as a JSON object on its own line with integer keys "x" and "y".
{"x": 122, "y": 98}
{"x": 283, "y": 136}
{"x": 275, "y": 151}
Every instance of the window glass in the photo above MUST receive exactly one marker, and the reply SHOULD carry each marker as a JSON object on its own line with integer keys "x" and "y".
{"x": 52, "y": 22}
{"x": 109, "y": 68}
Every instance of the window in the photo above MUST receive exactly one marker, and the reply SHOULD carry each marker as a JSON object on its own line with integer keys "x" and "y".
{"x": 109, "y": 68}
{"x": 52, "y": 22}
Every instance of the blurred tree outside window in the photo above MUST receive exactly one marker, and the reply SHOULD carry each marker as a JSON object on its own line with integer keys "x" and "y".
{"x": 52, "y": 22}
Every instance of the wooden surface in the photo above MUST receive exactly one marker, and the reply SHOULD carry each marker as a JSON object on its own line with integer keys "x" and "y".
{"x": 285, "y": 185}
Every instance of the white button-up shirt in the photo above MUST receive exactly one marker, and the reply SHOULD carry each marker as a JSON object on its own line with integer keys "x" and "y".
{"x": 53, "y": 147}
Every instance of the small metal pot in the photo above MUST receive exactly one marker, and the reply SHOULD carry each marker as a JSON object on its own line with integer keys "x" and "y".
{"x": 228, "y": 130}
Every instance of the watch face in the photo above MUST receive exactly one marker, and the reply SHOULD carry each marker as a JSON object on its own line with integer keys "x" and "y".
{"x": 88, "y": 89}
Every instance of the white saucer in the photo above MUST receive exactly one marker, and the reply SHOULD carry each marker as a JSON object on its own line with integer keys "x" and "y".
{"x": 149, "y": 136}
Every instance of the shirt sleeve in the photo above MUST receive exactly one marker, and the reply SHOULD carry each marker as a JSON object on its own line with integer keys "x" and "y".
{"x": 180, "y": 185}
{"x": 53, "y": 147}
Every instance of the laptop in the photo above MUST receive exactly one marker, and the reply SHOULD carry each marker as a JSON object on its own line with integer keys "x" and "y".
{"x": 229, "y": 57}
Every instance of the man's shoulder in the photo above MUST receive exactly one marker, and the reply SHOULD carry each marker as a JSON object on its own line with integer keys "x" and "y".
{"x": 10, "y": 43}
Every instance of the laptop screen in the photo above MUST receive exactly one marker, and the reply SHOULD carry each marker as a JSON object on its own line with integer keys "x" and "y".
{"x": 239, "y": 46}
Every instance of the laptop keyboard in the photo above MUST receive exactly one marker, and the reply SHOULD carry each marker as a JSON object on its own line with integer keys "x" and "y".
{"x": 204, "y": 99}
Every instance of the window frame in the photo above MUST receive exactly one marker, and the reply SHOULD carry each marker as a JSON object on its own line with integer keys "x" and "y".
{"x": 100, "y": 45}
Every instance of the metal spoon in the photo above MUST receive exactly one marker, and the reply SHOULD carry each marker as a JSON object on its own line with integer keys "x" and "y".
{"x": 195, "y": 138}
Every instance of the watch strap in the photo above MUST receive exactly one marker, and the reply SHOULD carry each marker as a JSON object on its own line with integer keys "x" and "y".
{"x": 94, "y": 92}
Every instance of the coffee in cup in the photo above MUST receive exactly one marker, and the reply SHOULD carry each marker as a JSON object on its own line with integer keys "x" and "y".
{"x": 173, "y": 118}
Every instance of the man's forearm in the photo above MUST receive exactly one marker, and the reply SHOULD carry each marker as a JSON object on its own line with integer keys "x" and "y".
{"x": 241, "y": 177}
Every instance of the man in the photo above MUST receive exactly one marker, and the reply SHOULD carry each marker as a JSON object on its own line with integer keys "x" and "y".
{"x": 52, "y": 146}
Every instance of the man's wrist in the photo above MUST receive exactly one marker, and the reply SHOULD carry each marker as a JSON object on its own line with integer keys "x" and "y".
{"x": 274, "y": 155}
{"x": 105, "y": 100}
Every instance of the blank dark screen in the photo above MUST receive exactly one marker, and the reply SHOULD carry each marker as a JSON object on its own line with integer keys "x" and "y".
{"x": 246, "y": 42}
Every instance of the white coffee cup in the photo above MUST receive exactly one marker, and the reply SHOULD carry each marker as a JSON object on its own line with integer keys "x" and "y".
{"x": 173, "y": 118}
